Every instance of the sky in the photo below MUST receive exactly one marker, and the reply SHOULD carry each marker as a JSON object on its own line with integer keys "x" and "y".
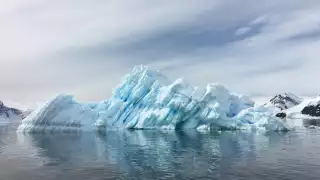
{"x": 84, "y": 47}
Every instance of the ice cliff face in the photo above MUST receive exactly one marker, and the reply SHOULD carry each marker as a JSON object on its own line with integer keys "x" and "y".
{"x": 61, "y": 114}
{"x": 147, "y": 100}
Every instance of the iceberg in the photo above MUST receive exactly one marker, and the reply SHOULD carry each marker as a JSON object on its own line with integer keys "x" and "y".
{"x": 61, "y": 114}
{"x": 146, "y": 99}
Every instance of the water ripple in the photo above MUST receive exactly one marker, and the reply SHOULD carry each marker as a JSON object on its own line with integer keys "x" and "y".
{"x": 123, "y": 154}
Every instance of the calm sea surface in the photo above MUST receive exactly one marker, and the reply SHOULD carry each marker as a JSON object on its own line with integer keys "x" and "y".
{"x": 122, "y": 154}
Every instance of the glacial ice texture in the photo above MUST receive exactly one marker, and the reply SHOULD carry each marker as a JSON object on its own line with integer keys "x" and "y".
{"x": 147, "y": 100}
{"x": 61, "y": 114}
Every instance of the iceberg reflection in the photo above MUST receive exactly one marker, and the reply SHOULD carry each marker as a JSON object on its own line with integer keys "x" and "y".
{"x": 151, "y": 153}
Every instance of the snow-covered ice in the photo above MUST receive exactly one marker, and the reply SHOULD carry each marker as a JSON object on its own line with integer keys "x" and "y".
{"x": 60, "y": 114}
{"x": 146, "y": 99}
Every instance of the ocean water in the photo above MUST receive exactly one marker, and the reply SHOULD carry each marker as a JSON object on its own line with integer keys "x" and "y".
{"x": 153, "y": 154}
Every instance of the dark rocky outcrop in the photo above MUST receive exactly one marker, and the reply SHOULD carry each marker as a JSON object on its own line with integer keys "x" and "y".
{"x": 281, "y": 115}
{"x": 311, "y": 110}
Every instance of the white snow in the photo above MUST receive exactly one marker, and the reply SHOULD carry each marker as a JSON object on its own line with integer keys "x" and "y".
{"x": 283, "y": 101}
{"x": 60, "y": 114}
{"x": 9, "y": 115}
{"x": 295, "y": 112}
{"x": 147, "y": 100}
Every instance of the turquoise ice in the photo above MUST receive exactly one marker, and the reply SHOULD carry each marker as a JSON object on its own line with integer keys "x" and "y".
{"x": 146, "y": 99}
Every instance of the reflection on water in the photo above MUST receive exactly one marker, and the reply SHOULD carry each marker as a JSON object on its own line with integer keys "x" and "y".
{"x": 127, "y": 154}
{"x": 311, "y": 122}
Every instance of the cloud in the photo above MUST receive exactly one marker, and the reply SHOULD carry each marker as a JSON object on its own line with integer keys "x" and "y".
{"x": 84, "y": 48}
{"x": 313, "y": 35}
{"x": 242, "y": 30}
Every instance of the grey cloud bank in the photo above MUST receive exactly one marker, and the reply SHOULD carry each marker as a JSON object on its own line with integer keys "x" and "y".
{"x": 85, "y": 47}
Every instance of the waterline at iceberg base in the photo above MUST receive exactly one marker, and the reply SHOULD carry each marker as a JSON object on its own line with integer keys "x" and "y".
{"x": 146, "y": 99}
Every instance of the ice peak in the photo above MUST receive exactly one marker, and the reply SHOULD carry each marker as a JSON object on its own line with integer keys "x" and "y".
{"x": 142, "y": 73}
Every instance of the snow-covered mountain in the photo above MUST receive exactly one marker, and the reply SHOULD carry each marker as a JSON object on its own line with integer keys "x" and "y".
{"x": 290, "y": 106}
{"x": 10, "y": 114}
{"x": 26, "y": 113}
{"x": 284, "y": 101}
{"x": 312, "y": 108}
{"x": 308, "y": 108}
{"x": 146, "y": 99}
